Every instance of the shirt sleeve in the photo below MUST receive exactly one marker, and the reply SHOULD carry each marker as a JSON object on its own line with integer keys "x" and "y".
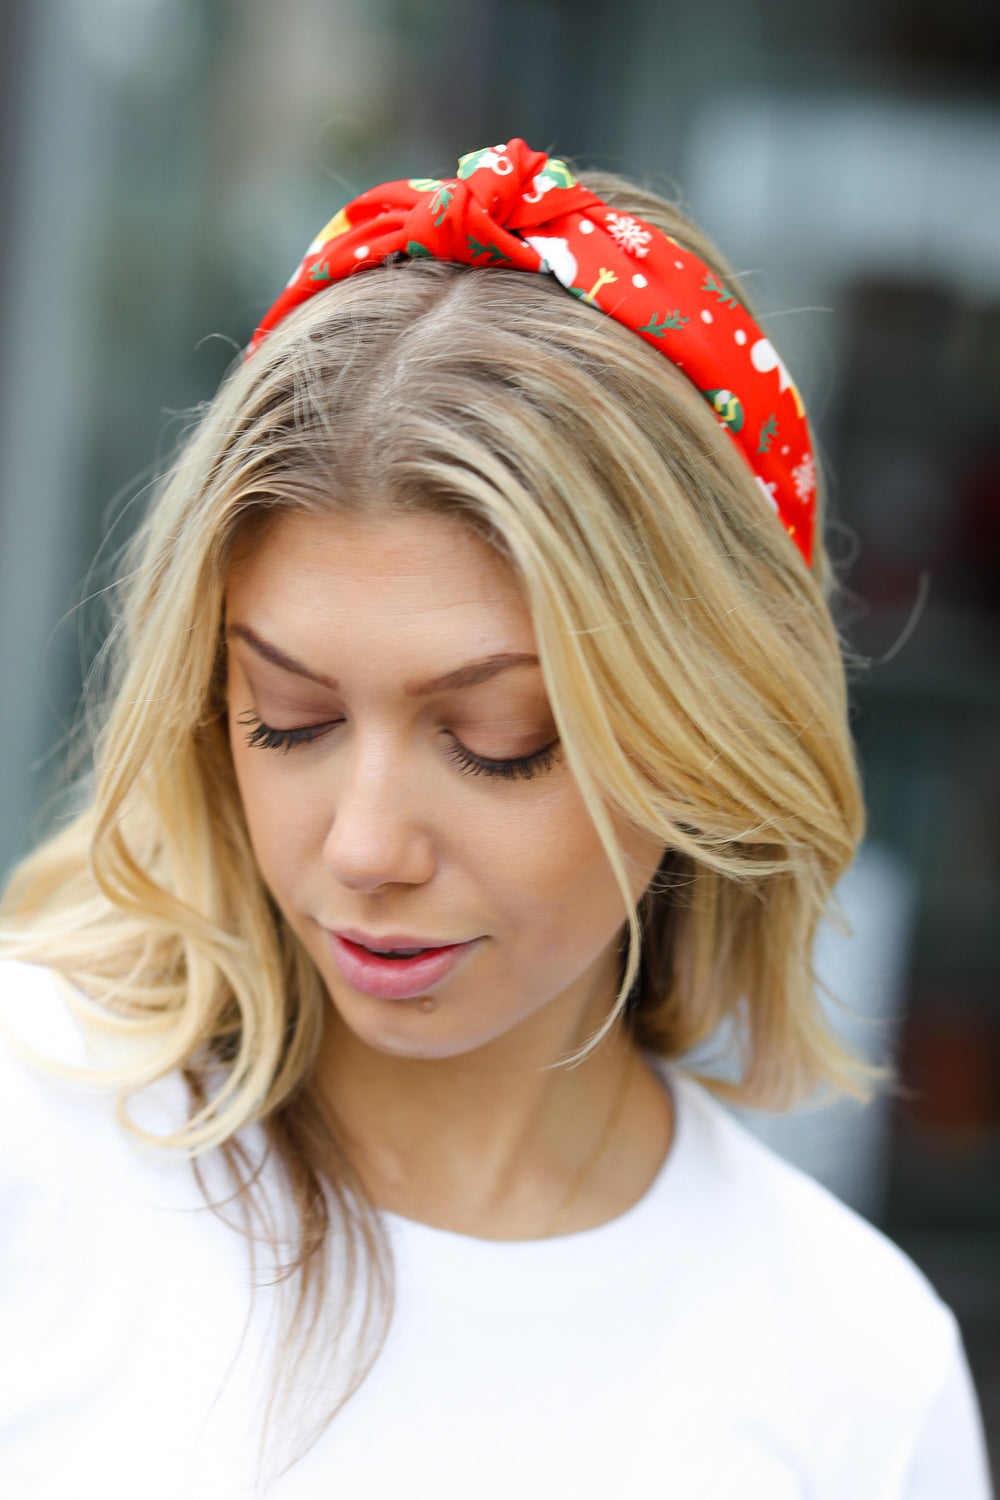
{"x": 948, "y": 1460}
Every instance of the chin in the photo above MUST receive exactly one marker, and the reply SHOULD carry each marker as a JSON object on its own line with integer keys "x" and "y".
{"x": 401, "y": 1028}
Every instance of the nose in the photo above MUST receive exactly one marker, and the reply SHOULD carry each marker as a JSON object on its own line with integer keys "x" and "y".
{"x": 377, "y": 836}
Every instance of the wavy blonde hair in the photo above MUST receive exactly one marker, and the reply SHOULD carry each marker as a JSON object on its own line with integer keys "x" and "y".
{"x": 694, "y": 673}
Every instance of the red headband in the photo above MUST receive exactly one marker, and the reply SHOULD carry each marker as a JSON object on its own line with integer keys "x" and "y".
{"x": 517, "y": 208}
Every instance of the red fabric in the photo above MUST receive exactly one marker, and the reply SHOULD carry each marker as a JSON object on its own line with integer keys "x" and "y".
{"x": 514, "y": 207}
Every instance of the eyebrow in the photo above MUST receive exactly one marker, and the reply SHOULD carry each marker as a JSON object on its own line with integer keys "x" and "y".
{"x": 470, "y": 674}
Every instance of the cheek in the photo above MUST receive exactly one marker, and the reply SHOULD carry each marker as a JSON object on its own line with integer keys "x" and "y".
{"x": 567, "y": 897}
{"x": 558, "y": 885}
{"x": 283, "y": 815}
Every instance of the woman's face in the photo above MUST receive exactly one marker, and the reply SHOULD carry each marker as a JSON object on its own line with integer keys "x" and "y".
{"x": 404, "y": 787}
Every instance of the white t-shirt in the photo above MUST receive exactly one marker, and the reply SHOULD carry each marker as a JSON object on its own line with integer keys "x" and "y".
{"x": 736, "y": 1335}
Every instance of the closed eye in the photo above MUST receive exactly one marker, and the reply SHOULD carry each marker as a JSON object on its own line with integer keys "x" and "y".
{"x": 262, "y": 736}
{"x": 518, "y": 768}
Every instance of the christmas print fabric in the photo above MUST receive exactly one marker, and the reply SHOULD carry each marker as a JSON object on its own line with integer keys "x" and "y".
{"x": 514, "y": 207}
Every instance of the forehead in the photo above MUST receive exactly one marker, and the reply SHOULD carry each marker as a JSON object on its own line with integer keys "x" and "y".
{"x": 346, "y": 576}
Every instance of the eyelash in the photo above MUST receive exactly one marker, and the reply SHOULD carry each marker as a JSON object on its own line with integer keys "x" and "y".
{"x": 522, "y": 768}
{"x": 263, "y": 737}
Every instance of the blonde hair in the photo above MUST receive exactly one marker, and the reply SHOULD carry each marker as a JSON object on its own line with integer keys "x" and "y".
{"x": 693, "y": 669}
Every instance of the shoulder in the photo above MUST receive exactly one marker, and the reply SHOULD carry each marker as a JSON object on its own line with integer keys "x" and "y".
{"x": 833, "y": 1315}
{"x": 80, "y": 1170}
{"x": 58, "y": 1098}
{"x": 58, "y": 1157}
{"x": 799, "y": 1238}
{"x": 34, "y": 1014}
{"x": 83, "y": 1111}
{"x": 123, "y": 1296}
{"x": 62, "y": 1148}
{"x": 39, "y": 1038}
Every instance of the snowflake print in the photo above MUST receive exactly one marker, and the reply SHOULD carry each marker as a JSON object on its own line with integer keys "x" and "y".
{"x": 629, "y": 234}
{"x": 804, "y": 477}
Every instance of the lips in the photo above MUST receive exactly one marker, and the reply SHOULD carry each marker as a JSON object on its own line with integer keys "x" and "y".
{"x": 396, "y": 966}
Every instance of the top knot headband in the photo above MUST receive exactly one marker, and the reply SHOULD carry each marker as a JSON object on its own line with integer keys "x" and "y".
{"x": 513, "y": 207}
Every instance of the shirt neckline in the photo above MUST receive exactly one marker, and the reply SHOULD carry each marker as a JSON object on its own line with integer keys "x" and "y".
{"x": 419, "y": 1243}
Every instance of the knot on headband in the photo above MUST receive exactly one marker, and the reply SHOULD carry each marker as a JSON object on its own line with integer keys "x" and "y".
{"x": 481, "y": 217}
{"x": 517, "y": 208}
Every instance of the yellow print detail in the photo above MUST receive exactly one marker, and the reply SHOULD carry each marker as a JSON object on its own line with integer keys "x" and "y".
{"x": 604, "y": 278}
{"x": 339, "y": 224}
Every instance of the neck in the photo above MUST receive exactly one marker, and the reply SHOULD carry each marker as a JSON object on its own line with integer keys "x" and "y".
{"x": 492, "y": 1141}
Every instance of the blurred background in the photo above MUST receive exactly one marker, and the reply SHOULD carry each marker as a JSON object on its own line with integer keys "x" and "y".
{"x": 165, "y": 164}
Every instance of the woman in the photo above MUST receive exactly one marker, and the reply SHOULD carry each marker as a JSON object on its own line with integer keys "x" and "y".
{"x": 478, "y": 747}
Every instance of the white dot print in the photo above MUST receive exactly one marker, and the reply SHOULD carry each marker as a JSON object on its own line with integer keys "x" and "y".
{"x": 361, "y": 252}
{"x": 639, "y": 280}
{"x": 586, "y": 227}
{"x": 785, "y": 448}
{"x": 679, "y": 264}
{"x": 764, "y": 357}
{"x": 740, "y": 336}
{"x": 706, "y": 316}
